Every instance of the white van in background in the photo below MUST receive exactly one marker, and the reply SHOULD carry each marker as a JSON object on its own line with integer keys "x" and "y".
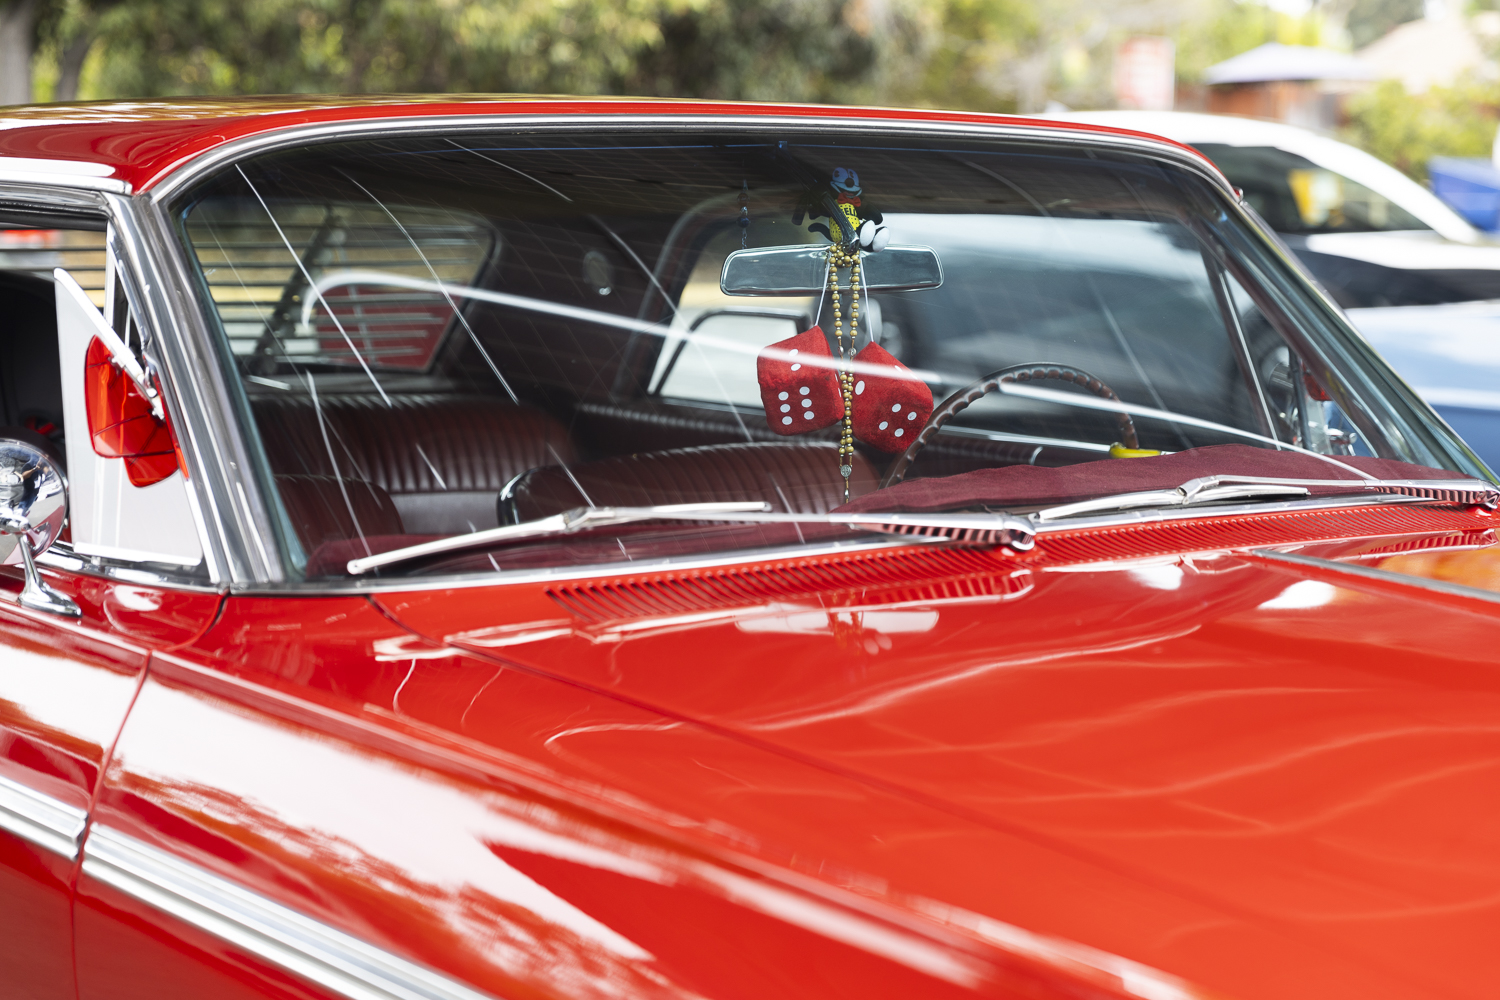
{"x": 1416, "y": 279}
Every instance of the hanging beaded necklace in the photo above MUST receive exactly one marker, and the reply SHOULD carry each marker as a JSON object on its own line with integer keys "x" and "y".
{"x": 840, "y": 257}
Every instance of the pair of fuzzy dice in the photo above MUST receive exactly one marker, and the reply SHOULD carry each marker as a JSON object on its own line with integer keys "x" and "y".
{"x": 799, "y": 384}
{"x": 889, "y": 410}
{"x": 799, "y": 387}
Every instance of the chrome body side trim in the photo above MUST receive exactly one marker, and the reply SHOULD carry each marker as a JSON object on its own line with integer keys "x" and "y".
{"x": 1372, "y": 573}
{"x": 41, "y": 819}
{"x": 284, "y": 937}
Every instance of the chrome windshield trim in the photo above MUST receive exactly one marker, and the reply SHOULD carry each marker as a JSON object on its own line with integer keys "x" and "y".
{"x": 507, "y": 116}
{"x": 1373, "y": 573}
{"x": 41, "y": 819}
{"x": 295, "y": 942}
{"x": 222, "y": 487}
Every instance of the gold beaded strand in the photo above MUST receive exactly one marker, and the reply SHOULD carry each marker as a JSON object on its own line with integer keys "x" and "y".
{"x": 839, "y": 258}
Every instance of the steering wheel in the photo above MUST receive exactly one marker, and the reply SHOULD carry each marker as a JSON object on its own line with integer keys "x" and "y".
{"x": 1033, "y": 372}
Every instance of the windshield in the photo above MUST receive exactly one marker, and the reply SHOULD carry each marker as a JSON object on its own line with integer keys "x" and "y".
{"x": 437, "y": 336}
{"x": 1295, "y": 195}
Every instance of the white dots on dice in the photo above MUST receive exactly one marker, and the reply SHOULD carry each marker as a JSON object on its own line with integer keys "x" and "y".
{"x": 807, "y": 414}
{"x": 807, "y": 402}
{"x": 900, "y": 431}
{"x": 781, "y": 396}
{"x": 786, "y": 407}
{"x": 786, "y": 420}
{"x": 912, "y": 415}
{"x": 859, "y": 387}
{"x": 804, "y": 390}
{"x": 796, "y": 368}
{"x": 884, "y": 424}
{"x": 896, "y": 408}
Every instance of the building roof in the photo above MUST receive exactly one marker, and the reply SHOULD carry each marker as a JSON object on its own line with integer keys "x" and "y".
{"x": 1274, "y": 61}
{"x": 136, "y": 144}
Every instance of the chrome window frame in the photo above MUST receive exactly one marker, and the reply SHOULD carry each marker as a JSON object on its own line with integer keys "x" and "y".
{"x": 109, "y": 199}
{"x": 253, "y": 558}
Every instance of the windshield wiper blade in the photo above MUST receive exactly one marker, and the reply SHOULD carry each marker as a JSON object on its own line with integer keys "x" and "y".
{"x": 973, "y": 529}
{"x": 1220, "y": 489}
{"x": 1194, "y": 491}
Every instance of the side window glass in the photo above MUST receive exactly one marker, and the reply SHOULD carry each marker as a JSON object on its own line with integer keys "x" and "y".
{"x": 128, "y": 498}
{"x": 30, "y": 379}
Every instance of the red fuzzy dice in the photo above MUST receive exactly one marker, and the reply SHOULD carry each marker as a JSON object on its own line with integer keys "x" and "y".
{"x": 888, "y": 410}
{"x": 798, "y": 396}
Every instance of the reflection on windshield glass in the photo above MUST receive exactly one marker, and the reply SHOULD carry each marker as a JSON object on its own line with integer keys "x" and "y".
{"x": 1295, "y": 195}
{"x": 443, "y": 338}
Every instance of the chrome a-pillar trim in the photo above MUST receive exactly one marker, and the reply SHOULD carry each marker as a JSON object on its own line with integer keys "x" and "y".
{"x": 297, "y": 943}
{"x": 41, "y": 819}
{"x": 233, "y": 517}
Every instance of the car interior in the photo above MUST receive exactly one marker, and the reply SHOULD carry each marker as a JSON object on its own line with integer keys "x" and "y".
{"x": 440, "y": 335}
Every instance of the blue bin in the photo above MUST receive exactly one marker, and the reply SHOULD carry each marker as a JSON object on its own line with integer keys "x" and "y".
{"x": 1471, "y": 187}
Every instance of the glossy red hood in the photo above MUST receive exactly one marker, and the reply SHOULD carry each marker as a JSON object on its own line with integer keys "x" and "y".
{"x": 1269, "y": 779}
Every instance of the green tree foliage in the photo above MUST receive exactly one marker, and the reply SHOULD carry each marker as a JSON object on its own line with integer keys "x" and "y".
{"x": 1372, "y": 19}
{"x": 800, "y": 50}
{"x": 1407, "y": 130}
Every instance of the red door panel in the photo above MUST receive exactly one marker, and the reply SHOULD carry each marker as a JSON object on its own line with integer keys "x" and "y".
{"x": 65, "y": 687}
{"x": 309, "y": 762}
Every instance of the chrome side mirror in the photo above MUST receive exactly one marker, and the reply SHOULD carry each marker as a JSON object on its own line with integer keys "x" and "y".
{"x": 33, "y": 509}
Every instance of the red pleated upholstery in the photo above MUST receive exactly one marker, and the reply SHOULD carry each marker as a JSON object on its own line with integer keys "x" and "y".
{"x": 802, "y": 478}
{"x": 322, "y": 512}
{"x": 442, "y": 458}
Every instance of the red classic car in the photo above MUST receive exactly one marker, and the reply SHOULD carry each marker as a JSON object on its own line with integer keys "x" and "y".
{"x": 547, "y": 548}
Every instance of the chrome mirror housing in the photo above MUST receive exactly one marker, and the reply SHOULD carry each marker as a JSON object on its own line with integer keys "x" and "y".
{"x": 33, "y": 510}
{"x": 803, "y": 270}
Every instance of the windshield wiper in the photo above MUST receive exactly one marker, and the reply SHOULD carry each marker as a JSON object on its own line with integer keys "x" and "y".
{"x": 1221, "y": 489}
{"x": 974, "y": 529}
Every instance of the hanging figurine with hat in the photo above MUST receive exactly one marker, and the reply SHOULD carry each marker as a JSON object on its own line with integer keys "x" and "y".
{"x": 803, "y": 387}
{"x": 856, "y": 220}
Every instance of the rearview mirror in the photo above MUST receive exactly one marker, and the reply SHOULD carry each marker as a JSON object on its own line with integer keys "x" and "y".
{"x": 803, "y": 270}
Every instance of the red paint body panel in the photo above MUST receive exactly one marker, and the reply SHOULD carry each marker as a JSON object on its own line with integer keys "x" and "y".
{"x": 144, "y": 143}
{"x": 1104, "y": 769}
{"x": 64, "y": 691}
{"x": 1286, "y": 763}
{"x": 408, "y": 773}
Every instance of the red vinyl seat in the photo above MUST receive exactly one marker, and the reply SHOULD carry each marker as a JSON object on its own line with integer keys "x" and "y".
{"x": 323, "y": 509}
{"x": 441, "y": 459}
{"x": 800, "y": 478}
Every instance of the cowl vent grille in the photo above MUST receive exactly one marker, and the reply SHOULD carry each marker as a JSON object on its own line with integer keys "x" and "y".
{"x": 908, "y": 576}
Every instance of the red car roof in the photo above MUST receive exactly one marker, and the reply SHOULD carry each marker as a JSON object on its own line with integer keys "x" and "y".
{"x": 144, "y": 141}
